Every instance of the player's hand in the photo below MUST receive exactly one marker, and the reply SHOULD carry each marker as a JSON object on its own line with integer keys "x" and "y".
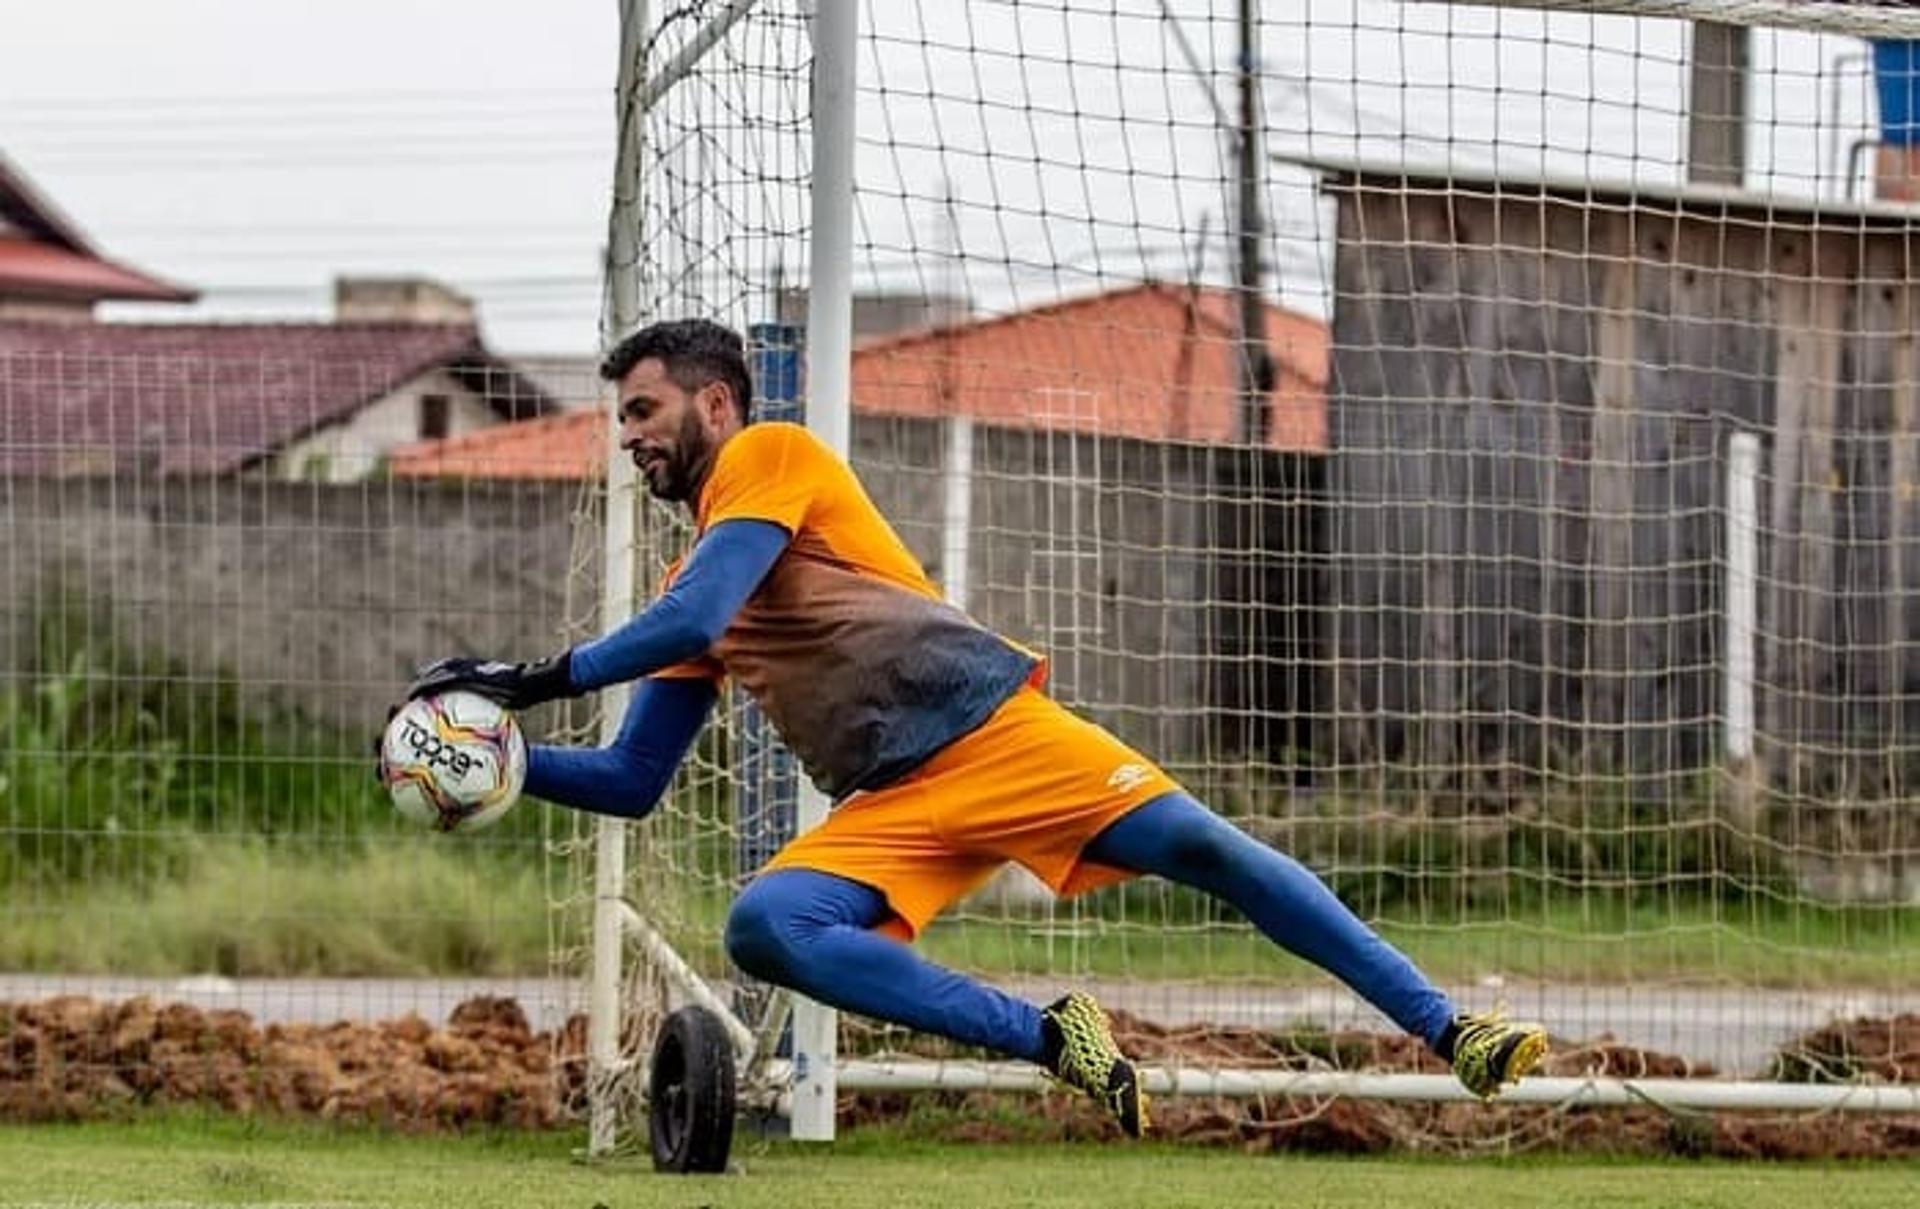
{"x": 515, "y": 685}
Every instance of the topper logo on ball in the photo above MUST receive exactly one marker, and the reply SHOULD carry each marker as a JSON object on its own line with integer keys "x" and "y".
{"x": 434, "y": 751}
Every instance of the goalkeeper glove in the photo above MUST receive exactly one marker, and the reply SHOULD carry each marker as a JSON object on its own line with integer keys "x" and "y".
{"x": 516, "y": 686}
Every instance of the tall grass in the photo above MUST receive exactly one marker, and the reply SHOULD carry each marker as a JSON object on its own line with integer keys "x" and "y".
{"x": 117, "y": 761}
{"x": 152, "y": 823}
{"x": 254, "y": 907}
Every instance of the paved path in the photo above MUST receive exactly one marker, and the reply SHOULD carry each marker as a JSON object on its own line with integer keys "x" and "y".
{"x": 1735, "y": 1030}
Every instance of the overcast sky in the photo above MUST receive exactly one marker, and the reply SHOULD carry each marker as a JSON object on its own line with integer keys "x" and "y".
{"x": 255, "y": 150}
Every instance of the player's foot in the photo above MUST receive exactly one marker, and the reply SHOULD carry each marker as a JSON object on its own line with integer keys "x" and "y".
{"x": 1080, "y": 1052}
{"x": 1489, "y": 1052}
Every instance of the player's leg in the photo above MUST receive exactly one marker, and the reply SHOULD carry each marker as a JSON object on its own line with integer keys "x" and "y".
{"x": 878, "y": 870}
{"x": 817, "y": 933}
{"x": 821, "y": 934}
{"x": 1176, "y": 837}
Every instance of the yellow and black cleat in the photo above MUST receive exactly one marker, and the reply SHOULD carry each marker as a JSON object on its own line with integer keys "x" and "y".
{"x": 1081, "y": 1053}
{"x": 1489, "y": 1052}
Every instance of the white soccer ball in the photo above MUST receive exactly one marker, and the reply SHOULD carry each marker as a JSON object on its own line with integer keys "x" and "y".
{"x": 455, "y": 761}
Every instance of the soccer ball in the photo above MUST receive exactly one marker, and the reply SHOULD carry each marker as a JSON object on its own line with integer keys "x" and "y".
{"x": 455, "y": 761}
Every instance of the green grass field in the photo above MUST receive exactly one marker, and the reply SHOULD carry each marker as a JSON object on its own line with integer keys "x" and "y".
{"x": 205, "y": 1161}
{"x": 245, "y": 908}
{"x": 436, "y": 905}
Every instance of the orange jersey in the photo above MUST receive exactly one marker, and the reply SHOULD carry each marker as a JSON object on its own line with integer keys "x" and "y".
{"x": 847, "y": 645}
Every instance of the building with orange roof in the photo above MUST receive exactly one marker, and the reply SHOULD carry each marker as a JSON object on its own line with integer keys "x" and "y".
{"x": 569, "y": 446}
{"x": 50, "y": 271}
{"x": 402, "y": 359}
{"x": 1152, "y": 362}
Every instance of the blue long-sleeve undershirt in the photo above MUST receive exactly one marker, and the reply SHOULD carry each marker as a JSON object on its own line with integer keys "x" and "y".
{"x": 628, "y": 776}
{"x": 726, "y": 565}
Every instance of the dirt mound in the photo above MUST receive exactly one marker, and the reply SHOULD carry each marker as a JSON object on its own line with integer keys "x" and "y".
{"x": 1882, "y": 1051}
{"x": 73, "y": 1058}
{"x": 1313, "y": 1049}
{"x": 1867, "y": 1047}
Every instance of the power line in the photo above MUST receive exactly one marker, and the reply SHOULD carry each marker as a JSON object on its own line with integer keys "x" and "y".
{"x": 252, "y": 228}
{"x": 257, "y": 125}
{"x": 145, "y": 105}
{"x": 143, "y": 165}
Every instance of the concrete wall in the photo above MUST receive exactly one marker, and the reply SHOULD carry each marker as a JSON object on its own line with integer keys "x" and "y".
{"x": 312, "y": 598}
{"x": 320, "y": 597}
{"x": 1533, "y": 400}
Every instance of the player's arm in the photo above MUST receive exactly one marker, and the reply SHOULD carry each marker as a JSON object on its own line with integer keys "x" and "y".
{"x": 724, "y": 568}
{"x": 627, "y": 777}
{"x": 726, "y": 565}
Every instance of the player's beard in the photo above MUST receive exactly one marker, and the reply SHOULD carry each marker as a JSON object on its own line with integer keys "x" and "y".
{"x": 685, "y": 469}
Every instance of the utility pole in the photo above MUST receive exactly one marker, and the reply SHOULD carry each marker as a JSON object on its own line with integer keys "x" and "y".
{"x": 1255, "y": 365}
{"x": 1717, "y": 105}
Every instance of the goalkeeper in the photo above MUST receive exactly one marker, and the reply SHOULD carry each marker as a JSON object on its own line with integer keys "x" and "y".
{"x": 944, "y": 757}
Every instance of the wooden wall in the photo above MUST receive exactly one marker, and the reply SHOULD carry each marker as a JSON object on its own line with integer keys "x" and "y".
{"x": 1532, "y": 400}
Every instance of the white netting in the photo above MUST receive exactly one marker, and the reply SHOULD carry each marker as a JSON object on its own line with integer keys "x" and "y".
{"x": 215, "y": 582}
{"x": 1428, "y": 582}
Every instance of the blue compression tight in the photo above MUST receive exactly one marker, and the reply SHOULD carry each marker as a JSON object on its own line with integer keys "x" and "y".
{"x": 813, "y": 932}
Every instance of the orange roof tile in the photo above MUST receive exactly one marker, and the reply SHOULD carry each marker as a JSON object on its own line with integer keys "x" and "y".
{"x": 1152, "y": 361}
{"x": 31, "y": 268}
{"x": 569, "y": 446}
{"x": 46, "y": 256}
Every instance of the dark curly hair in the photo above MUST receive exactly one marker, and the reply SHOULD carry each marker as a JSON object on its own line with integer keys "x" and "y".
{"x": 695, "y": 352}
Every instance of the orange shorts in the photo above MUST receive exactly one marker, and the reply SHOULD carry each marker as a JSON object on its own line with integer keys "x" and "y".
{"x": 1033, "y": 784}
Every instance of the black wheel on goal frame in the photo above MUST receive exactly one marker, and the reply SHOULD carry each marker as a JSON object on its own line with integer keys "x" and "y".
{"x": 690, "y": 1094}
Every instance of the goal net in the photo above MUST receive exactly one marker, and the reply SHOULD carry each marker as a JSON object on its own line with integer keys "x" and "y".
{"x": 1473, "y": 447}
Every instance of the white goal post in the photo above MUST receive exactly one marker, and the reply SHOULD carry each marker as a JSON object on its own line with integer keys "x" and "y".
{"x": 808, "y": 1076}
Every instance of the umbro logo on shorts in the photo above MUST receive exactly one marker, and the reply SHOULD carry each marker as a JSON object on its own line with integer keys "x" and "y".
{"x": 1129, "y": 776}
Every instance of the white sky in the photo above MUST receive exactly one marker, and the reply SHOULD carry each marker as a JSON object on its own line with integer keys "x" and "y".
{"x": 255, "y": 150}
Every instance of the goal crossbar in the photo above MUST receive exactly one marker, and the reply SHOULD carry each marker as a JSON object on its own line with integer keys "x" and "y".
{"x": 1812, "y": 16}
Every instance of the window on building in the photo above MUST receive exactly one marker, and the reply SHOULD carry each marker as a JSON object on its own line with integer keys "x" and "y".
{"x": 436, "y": 416}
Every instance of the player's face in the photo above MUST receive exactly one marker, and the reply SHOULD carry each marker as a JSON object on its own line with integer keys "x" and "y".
{"x": 670, "y": 433}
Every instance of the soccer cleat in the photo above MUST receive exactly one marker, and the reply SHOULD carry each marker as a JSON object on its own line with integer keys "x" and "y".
{"x": 1081, "y": 1053}
{"x": 1489, "y": 1052}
